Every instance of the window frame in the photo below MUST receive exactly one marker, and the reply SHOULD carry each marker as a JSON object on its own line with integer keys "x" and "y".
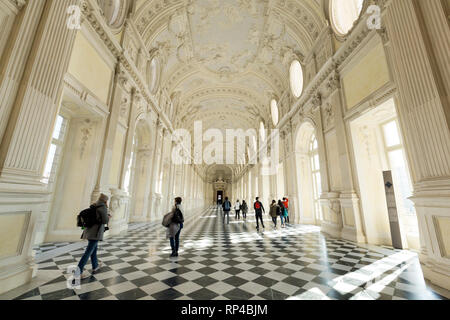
{"x": 339, "y": 34}
{"x": 291, "y": 81}
{"x": 389, "y": 149}
{"x": 316, "y": 177}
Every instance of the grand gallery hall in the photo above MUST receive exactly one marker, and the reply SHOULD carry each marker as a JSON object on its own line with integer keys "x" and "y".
{"x": 334, "y": 114}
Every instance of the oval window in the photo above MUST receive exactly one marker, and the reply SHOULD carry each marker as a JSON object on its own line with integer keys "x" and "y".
{"x": 344, "y": 13}
{"x": 262, "y": 131}
{"x": 274, "y": 111}
{"x": 114, "y": 11}
{"x": 296, "y": 77}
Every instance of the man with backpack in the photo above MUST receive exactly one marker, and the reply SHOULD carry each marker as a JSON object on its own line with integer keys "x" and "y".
{"x": 175, "y": 225}
{"x": 226, "y": 210}
{"x": 93, "y": 221}
{"x": 259, "y": 208}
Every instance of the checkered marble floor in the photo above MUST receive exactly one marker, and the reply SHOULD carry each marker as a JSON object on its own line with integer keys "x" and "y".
{"x": 50, "y": 246}
{"x": 235, "y": 262}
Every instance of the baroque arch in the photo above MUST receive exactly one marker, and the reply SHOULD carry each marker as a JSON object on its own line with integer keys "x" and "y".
{"x": 308, "y": 171}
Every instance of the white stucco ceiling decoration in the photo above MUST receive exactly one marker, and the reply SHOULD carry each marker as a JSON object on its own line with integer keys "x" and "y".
{"x": 226, "y": 59}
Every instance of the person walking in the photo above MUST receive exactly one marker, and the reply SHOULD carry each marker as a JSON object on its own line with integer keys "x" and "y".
{"x": 259, "y": 208}
{"x": 274, "y": 211}
{"x": 282, "y": 213}
{"x": 244, "y": 209}
{"x": 237, "y": 208}
{"x": 226, "y": 210}
{"x": 286, "y": 206}
{"x": 175, "y": 226}
{"x": 93, "y": 234}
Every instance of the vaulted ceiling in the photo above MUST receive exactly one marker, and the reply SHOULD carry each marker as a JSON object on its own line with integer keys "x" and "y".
{"x": 224, "y": 60}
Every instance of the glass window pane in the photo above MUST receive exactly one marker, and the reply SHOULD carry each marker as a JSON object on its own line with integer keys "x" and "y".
{"x": 402, "y": 182}
{"x": 49, "y": 163}
{"x": 262, "y": 131}
{"x": 128, "y": 173}
{"x": 296, "y": 78}
{"x": 316, "y": 163}
{"x": 274, "y": 111}
{"x": 396, "y": 159}
{"x": 391, "y": 135}
{"x": 344, "y": 13}
{"x": 58, "y": 126}
{"x": 319, "y": 185}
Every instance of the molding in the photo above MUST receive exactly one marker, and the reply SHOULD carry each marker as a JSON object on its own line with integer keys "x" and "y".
{"x": 94, "y": 18}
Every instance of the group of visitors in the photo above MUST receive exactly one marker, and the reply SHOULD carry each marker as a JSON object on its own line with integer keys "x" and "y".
{"x": 94, "y": 222}
{"x": 280, "y": 209}
{"x": 238, "y": 208}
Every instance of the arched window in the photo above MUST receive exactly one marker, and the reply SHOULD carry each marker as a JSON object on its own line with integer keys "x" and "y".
{"x": 344, "y": 13}
{"x": 274, "y": 111}
{"x": 316, "y": 179}
{"x": 296, "y": 78}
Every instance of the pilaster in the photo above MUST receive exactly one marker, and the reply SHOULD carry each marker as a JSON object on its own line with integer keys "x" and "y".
{"x": 423, "y": 108}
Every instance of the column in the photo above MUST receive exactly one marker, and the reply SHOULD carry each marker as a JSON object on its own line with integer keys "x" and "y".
{"x": 154, "y": 193}
{"x": 120, "y": 88}
{"x": 290, "y": 175}
{"x": 27, "y": 117}
{"x": 419, "y": 40}
{"x": 24, "y": 28}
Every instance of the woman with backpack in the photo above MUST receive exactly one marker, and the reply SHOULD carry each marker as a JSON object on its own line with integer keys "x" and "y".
{"x": 93, "y": 234}
{"x": 175, "y": 226}
{"x": 244, "y": 209}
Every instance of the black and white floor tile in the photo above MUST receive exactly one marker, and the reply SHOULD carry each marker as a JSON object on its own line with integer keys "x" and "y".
{"x": 235, "y": 262}
{"x": 49, "y": 247}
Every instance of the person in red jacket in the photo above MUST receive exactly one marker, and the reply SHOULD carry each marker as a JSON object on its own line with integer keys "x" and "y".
{"x": 259, "y": 208}
{"x": 286, "y": 205}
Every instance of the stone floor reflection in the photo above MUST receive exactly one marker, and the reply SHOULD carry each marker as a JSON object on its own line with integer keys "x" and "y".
{"x": 235, "y": 262}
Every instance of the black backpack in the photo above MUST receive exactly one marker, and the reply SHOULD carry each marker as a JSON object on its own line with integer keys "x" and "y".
{"x": 178, "y": 216}
{"x": 88, "y": 217}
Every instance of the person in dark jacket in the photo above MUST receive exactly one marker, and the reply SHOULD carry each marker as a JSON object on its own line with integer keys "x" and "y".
{"x": 226, "y": 210}
{"x": 282, "y": 213}
{"x": 286, "y": 206}
{"x": 94, "y": 234}
{"x": 274, "y": 212}
{"x": 244, "y": 209}
{"x": 259, "y": 208}
{"x": 174, "y": 230}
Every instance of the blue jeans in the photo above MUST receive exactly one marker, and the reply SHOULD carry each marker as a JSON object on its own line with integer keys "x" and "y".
{"x": 175, "y": 241}
{"x": 91, "y": 252}
{"x": 227, "y": 214}
{"x": 281, "y": 218}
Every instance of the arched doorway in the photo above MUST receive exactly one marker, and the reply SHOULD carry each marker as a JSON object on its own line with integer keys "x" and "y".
{"x": 308, "y": 174}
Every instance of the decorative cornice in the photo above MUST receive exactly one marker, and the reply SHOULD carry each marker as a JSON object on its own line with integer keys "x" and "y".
{"x": 329, "y": 71}
{"x": 126, "y": 62}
